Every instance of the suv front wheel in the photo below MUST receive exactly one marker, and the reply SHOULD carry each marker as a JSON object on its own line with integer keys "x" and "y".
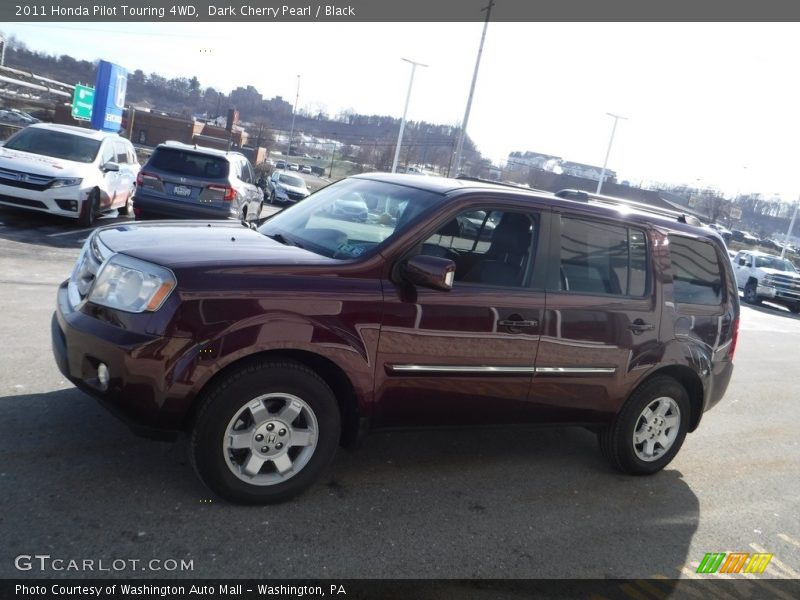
{"x": 265, "y": 432}
{"x": 650, "y": 429}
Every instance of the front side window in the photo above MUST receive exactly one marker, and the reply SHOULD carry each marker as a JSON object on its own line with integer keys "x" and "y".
{"x": 602, "y": 258}
{"x": 351, "y": 218}
{"x": 57, "y": 144}
{"x": 696, "y": 276}
{"x": 489, "y": 247}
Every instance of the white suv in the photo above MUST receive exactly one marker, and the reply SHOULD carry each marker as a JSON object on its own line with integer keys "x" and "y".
{"x": 67, "y": 171}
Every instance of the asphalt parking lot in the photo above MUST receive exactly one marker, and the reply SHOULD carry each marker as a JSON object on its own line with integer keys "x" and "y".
{"x": 505, "y": 503}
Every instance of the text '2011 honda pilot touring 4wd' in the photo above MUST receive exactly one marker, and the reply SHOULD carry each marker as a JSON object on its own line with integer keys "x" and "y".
{"x": 272, "y": 347}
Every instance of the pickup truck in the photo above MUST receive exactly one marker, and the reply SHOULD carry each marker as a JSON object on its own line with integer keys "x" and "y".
{"x": 763, "y": 276}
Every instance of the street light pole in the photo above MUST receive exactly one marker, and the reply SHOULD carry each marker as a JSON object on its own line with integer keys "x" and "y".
{"x": 462, "y": 135}
{"x": 294, "y": 110}
{"x": 608, "y": 152}
{"x": 791, "y": 226}
{"x": 405, "y": 111}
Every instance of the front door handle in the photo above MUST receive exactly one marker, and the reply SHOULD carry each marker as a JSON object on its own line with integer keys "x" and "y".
{"x": 638, "y": 326}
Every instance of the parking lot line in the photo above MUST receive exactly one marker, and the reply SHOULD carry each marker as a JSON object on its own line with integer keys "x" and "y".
{"x": 786, "y": 538}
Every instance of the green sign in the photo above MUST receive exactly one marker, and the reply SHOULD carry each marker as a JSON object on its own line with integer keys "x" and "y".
{"x": 82, "y": 102}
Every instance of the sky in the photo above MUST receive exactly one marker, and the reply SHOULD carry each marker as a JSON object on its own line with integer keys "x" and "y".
{"x": 706, "y": 104}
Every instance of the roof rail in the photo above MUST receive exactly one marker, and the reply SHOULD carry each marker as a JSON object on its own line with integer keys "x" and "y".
{"x": 582, "y": 196}
{"x": 503, "y": 183}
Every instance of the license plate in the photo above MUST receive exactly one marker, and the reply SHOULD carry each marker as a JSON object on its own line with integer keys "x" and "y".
{"x": 182, "y": 190}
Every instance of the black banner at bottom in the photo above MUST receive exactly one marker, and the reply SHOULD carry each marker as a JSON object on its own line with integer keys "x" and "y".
{"x": 711, "y": 588}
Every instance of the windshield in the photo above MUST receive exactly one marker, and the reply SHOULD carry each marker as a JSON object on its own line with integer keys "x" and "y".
{"x": 773, "y": 262}
{"x": 350, "y": 218}
{"x": 57, "y": 144}
{"x": 293, "y": 181}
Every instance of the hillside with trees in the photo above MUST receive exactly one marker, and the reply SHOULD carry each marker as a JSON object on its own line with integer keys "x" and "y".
{"x": 365, "y": 139}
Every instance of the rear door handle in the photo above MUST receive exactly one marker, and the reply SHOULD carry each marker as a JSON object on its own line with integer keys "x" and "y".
{"x": 518, "y": 324}
{"x": 638, "y": 326}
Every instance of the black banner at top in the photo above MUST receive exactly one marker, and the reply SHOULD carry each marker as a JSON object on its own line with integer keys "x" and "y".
{"x": 397, "y": 10}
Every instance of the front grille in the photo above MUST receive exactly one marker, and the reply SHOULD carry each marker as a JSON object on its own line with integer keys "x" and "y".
{"x": 26, "y": 181}
{"x": 23, "y": 201}
{"x": 294, "y": 195}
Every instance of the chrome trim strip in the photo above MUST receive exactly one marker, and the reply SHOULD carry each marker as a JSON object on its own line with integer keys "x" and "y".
{"x": 460, "y": 369}
{"x": 576, "y": 370}
{"x": 503, "y": 370}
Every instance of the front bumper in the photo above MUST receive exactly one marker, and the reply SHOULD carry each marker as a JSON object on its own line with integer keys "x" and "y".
{"x": 138, "y": 366}
{"x": 64, "y": 201}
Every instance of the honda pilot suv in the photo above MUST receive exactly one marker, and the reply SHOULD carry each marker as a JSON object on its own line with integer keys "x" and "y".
{"x": 181, "y": 181}
{"x": 271, "y": 347}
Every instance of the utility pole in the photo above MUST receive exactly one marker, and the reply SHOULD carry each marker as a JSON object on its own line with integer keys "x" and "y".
{"x": 462, "y": 135}
{"x": 608, "y": 152}
{"x": 294, "y": 110}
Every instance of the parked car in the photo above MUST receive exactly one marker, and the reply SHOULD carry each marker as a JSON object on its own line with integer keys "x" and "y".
{"x": 723, "y": 231}
{"x": 180, "y": 181}
{"x": 744, "y": 237}
{"x": 350, "y": 207}
{"x": 305, "y": 169}
{"x": 67, "y": 171}
{"x": 285, "y": 188}
{"x": 280, "y": 164}
{"x": 271, "y": 347}
{"x": 17, "y": 117}
{"x": 293, "y": 167}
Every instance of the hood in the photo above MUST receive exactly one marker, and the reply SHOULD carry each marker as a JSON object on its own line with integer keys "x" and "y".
{"x": 293, "y": 188}
{"x": 771, "y": 271}
{"x": 38, "y": 163}
{"x": 185, "y": 244}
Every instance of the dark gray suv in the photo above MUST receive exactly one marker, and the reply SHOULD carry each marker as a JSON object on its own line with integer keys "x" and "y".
{"x": 180, "y": 181}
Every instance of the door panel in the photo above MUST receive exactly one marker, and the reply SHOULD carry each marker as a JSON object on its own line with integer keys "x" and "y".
{"x": 453, "y": 357}
{"x": 467, "y": 355}
{"x": 601, "y": 327}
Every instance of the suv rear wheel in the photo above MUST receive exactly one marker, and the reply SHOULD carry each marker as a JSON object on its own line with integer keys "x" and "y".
{"x": 265, "y": 432}
{"x": 650, "y": 429}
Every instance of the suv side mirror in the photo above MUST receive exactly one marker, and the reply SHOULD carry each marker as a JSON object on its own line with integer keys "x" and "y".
{"x": 742, "y": 262}
{"x": 429, "y": 271}
{"x": 110, "y": 166}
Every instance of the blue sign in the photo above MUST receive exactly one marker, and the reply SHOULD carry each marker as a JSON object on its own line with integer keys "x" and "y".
{"x": 109, "y": 96}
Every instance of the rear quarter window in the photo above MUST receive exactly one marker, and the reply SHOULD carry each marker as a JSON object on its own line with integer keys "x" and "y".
{"x": 696, "y": 272}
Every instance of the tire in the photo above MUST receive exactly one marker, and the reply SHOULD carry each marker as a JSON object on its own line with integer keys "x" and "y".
{"x": 795, "y": 308}
{"x": 265, "y": 402}
{"x": 127, "y": 208}
{"x": 657, "y": 413}
{"x": 751, "y": 293}
{"x": 89, "y": 209}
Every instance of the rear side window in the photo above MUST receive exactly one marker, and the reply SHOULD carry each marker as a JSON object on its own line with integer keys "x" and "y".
{"x": 189, "y": 164}
{"x": 696, "y": 274}
{"x": 602, "y": 258}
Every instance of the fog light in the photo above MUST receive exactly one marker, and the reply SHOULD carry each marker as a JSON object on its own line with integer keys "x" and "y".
{"x": 102, "y": 376}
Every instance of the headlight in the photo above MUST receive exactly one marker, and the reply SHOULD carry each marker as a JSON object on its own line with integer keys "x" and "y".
{"x": 65, "y": 182}
{"x": 132, "y": 285}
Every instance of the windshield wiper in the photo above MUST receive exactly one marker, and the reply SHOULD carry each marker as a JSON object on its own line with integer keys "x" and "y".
{"x": 278, "y": 237}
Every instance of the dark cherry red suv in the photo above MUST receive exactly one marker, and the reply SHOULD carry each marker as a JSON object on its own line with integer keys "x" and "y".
{"x": 455, "y": 302}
